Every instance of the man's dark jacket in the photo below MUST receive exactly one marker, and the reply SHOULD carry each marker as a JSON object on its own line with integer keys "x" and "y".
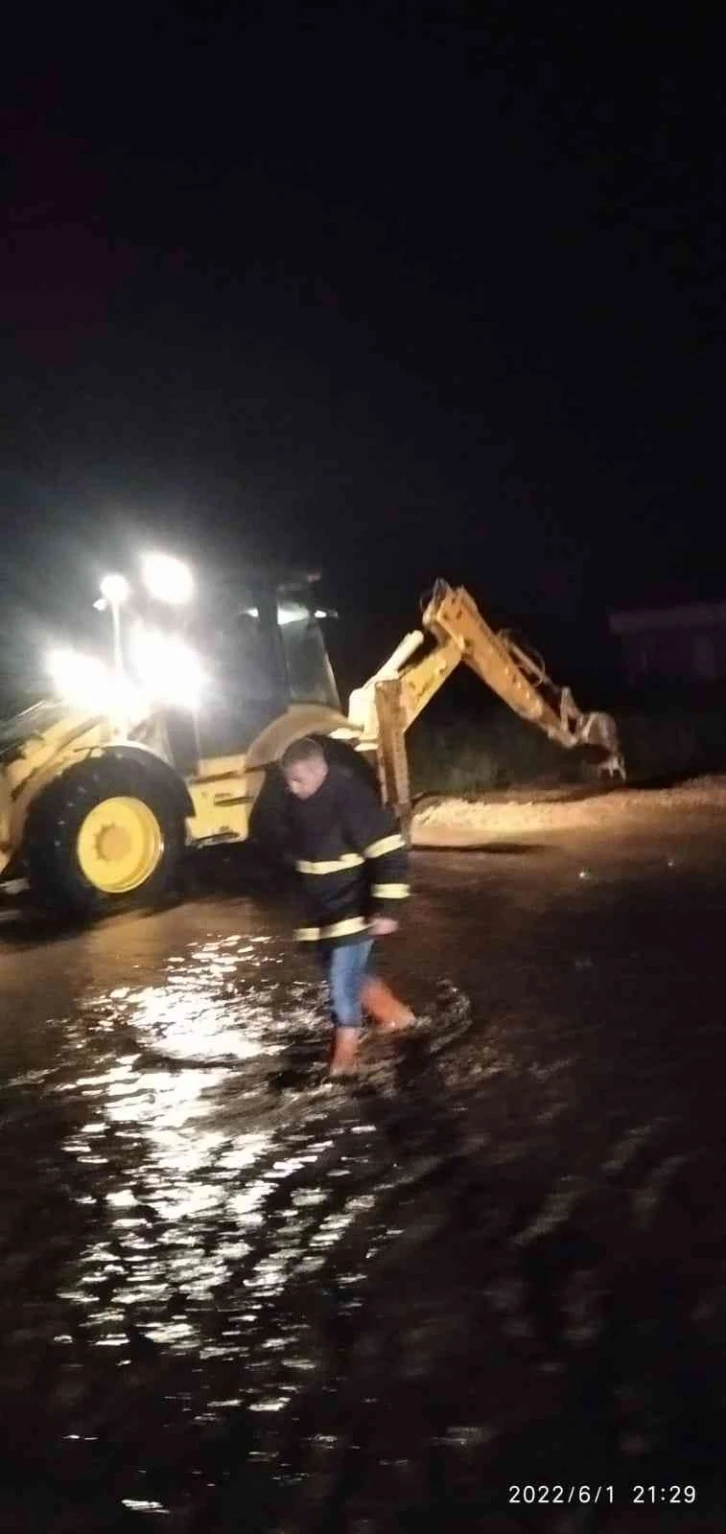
{"x": 350, "y": 856}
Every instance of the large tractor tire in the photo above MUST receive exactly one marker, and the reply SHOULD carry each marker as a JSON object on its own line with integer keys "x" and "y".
{"x": 103, "y": 836}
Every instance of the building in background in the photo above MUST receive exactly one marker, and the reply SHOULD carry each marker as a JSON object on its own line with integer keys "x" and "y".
{"x": 681, "y": 646}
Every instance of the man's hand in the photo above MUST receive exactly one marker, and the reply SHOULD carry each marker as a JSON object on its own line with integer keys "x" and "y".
{"x": 381, "y": 926}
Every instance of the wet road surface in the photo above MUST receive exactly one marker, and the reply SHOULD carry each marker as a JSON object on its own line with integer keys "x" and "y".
{"x": 235, "y": 1297}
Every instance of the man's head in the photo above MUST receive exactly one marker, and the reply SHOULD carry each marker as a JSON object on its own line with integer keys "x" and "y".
{"x": 304, "y": 767}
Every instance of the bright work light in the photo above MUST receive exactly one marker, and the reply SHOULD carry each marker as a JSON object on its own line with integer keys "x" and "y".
{"x": 168, "y": 579}
{"x": 115, "y": 588}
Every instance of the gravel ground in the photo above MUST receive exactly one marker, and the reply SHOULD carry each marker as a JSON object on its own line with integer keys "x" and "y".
{"x": 462, "y": 822}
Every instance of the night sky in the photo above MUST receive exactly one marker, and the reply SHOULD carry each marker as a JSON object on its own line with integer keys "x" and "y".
{"x": 441, "y": 293}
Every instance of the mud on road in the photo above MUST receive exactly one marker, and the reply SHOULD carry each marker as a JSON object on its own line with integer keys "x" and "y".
{"x": 235, "y": 1297}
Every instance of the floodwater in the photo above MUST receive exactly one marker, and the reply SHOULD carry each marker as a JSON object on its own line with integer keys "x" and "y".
{"x": 235, "y": 1297}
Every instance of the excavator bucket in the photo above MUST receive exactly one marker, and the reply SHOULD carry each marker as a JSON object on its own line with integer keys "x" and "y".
{"x": 601, "y": 732}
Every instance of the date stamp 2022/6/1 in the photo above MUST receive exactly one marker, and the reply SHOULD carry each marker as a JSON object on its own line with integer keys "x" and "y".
{"x": 541, "y": 1495}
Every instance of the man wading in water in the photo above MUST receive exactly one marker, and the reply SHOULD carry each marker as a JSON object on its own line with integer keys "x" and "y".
{"x": 353, "y": 865}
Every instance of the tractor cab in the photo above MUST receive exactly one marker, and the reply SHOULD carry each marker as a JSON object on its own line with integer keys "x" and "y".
{"x": 261, "y": 650}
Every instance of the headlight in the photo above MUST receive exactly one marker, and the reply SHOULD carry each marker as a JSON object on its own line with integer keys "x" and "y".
{"x": 85, "y": 683}
{"x": 166, "y": 668}
{"x": 81, "y": 680}
{"x": 167, "y": 579}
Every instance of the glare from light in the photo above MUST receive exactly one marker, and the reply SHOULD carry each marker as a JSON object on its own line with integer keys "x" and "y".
{"x": 86, "y": 683}
{"x": 77, "y": 678}
{"x": 166, "y": 668}
{"x": 168, "y": 579}
{"x": 116, "y": 589}
{"x": 291, "y": 614}
{"x": 319, "y": 613}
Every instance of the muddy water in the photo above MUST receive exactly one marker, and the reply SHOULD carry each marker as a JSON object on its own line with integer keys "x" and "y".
{"x": 237, "y": 1298}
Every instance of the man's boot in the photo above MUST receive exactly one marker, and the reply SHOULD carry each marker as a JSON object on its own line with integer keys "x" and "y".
{"x": 344, "y": 1052}
{"x": 387, "y": 1012}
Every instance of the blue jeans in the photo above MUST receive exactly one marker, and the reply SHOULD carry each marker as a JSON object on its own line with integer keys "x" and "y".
{"x": 345, "y": 970}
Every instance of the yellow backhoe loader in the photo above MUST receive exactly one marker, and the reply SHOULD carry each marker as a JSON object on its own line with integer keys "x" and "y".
{"x": 104, "y": 787}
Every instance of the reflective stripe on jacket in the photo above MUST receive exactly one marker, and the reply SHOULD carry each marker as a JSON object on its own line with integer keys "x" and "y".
{"x": 351, "y": 859}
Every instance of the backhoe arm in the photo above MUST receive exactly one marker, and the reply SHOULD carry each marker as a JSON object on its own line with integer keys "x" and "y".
{"x": 382, "y": 710}
{"x": 415, "y": 685}
{"x": 518, "y": 679}
{"x": 385, "y": 707}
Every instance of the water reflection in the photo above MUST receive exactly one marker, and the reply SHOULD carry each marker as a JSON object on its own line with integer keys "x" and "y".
{"x": 202, "y": 1218}
{"x": 367, "y": 1307}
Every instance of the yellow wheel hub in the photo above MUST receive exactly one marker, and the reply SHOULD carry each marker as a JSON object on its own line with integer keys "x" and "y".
{"x": 119, "y": 845}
